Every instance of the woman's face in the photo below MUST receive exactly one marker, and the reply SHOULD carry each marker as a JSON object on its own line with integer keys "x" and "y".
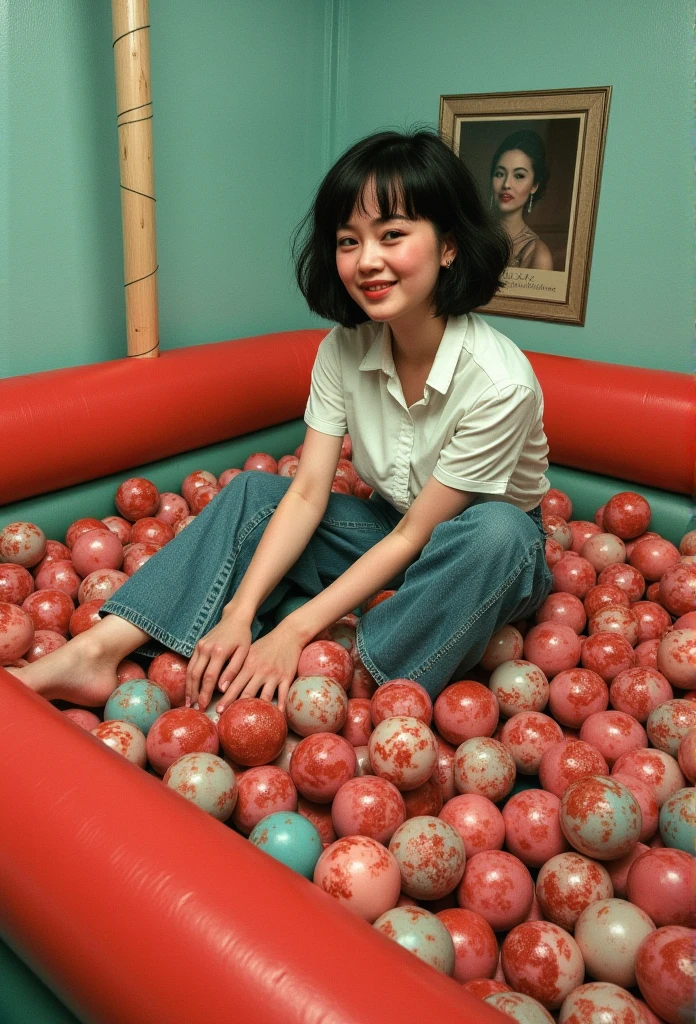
{"x": 513, "y": 181}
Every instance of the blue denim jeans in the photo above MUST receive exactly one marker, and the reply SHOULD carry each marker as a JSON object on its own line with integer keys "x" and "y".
{"x": 479, "y": 571}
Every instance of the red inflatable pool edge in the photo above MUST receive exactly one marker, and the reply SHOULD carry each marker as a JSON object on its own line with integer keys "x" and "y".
{"x": 64, "y": 427}
{"x": 181, "y": 921}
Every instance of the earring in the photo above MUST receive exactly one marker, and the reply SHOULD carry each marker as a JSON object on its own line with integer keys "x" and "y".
{"x": 530, "y": 203}
{"x": 448, "y": 263}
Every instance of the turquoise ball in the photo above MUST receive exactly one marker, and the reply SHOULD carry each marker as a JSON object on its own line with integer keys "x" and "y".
{"x": 139, "y": 702}
{"x": 291, "y": 839}
{"x": 678, "y": 821}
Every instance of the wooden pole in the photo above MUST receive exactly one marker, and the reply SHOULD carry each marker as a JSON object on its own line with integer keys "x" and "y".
{"x": 134, "y": 106}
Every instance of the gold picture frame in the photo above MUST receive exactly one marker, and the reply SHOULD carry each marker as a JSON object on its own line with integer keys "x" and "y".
{"x": 559, "y": 232}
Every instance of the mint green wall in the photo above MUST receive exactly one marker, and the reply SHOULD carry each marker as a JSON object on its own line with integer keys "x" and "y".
{"x": 252, "y": 100}
{"x": 239, "y": 102}
{"x": 399, "y": 58}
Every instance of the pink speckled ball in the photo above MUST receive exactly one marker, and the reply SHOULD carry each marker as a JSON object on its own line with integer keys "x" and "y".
{"x": 565, "y": 609}
{"x": 543, "y": 961}
{"x": 607, "y": 654}
{"x": 368, "y": 806}
{"x": 686, "y": 757}
{"x": 262, "y": 791}
{"x": 660, "y": 882}
{"x": 609, "y": 933}
{"x": 615, "y": 619}
{"x": 137, "y": 498}
{"x": 653, "y": 620}
{"x": 475, "y": 946}
{"x": 669, "y": 723}
{"x": 87, "y": 720}
{"x": 653, "y": 556}
{"x": 361, "y": 874}
{"x": 178, "y": 732}
{"x": 444, "y": 769}
{"x": 96, "y": 549}
{"x": 678, "y": 589}
{"x": 676, "y": 658}
{"x": 22, "y": 543}
{"x": 505, "y": 645}
{"x": 316, "y": 704}
{"x": 464, "y": 710}
{"x": 665, "y": 973}
{"x": 645, "y": 654}
{"x": 125, "y": 738}
{"x": 618, "y": 870}
{"x": 402, "y": 697}
{"x": 601, "y": 1001}
{"x": 626, "y": 578}
{"x": 430, "y": 855}
{"x": 519, "y": 686}
{"x": 556, "y": 528}
{"x": 327, "y": 658}
{"x": 644, "y": 794}
{"x": 478, "y": 822}
{"x": 658, "y": 769}
{"x": 600, "y": 817}
{"x": 567, "y": 884}
{"x": 613, "y": 733}
{"x": 484, "y": 766}
{"x": 497, "y": 886}
{"x": 403, "y": 751}
{"x": 605, "y": 594}
{"x": 320, "y": 764}
{"x": 552, "y": 647}
{"x": 603, "y": 549}
{"x": 520, "y": 1007}
{"x": 532, "y": 827}
{"x": 207, "y": 781}
{"x": 638, "y": 691}
{"x": 576, "y": 694}
{"x": 567, "y": 762}
{"x": 358, "y": 723}
{"x": 556, "y": 502}
{"x": 528, "y": 736}
{"x": 16, "y": 632}
{"x": 627, "y": 514}
{"x": 425, "y": 799}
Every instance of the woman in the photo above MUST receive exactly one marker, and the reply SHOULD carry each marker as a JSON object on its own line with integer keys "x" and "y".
{"x": 519, "y": 176}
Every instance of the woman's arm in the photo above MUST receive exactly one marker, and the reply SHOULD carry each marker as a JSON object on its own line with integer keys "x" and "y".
{"x": 541, "y": 257}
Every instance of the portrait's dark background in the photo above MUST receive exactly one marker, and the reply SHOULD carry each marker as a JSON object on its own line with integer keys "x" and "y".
{"x": 550, "y": 218}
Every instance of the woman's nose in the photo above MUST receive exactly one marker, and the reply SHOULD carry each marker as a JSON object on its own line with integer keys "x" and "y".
{"x": 370, "y": 256}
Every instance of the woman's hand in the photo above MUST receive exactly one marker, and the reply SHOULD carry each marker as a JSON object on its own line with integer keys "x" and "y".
{"x": 217, "y": 657}
{"x": 270, "y": 665}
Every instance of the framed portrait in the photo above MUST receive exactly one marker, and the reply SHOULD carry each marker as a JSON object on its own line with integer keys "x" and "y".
{"x": 537, "y": 159}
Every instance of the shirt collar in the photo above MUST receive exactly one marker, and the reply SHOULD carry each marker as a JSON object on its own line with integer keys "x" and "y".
{"x": 379, "y": 354}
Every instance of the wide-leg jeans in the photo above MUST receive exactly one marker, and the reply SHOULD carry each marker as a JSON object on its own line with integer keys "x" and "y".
{"x": 479, "y": 571}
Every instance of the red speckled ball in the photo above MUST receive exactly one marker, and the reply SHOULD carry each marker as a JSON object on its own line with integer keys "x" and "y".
{"x": 96, "y": 549}
{"x": 358, "y": 724}
{"x": 464, "y": 710}
{"x": 605, "y": 594}
{"x": 120, "y": 527}
{"x": 615, "y": 619}
{"x": 687, "y": 621}
{"x": 532, "y": 827}
{"x": 553, "y": 552}
{"x": 618, "y": 869}
{"x": 528, "y": 736}
{"x": 653, "y": 620}
{"x": 402, "y": 697}
{"x": 361, "y": 874}
{"x": 45, "y": 642}
{"x": 84, "y": 617}
{"x": 659, "y": 770}
{"x": 484, "y": 766}
{"x": 687, "y": 755}
{"x": 50, "y": 609}
{"x": 127, "y": 670}
{"x": 252, "y": 731}
{"x": 603, "y": 549}
{"x": 59, "y": 575}
{"x": 645, "y": 654}
{"x": 477, "y": 821}
{"x": 574, "y": 576}
{"x": 100, "y": 585}
{"x": 653, "y": 556}
{"x": 519, "y": 686}
{"x": 287, "y": 466}
{"x": 576, "y": 694}
{"x": 483, "y": 987}
{"x": 368, "y": 806}
{"x": 125, "y": 738}
{"x": 444, "y": 769}
{"x": 425, "y": 799}
{"x": 600, "y": 817}
{"x": 262, "y": 791}
{"x": 327, "y": 658}
{"x": 637, "y": 691}
{"x": 363, "y": 685}
{"x": 22, "y": 544}
{"x": 627, "y": 515}
{"x": 660, "y": 882}
{"x": 581, "y": 530}
{"x": 320, "y": 817}
{"x": 556, "y": 503}
{"x": 497, "y": 886}
{"x": 607, "y": 654}
{"x": 86, "y": 720}
{"x": 137, "y": 555}
{"x": 475, "y": 945}
{"x": 137, "y": 498}
{"x": 150, "y": 530}
{"x": 644, "y": 794}
{"x": 565, "y": 609}
{"x": 430, "y": 855}
{"x": 86, "y": 525}
{"x": 505, "y": 645}
{"x": 168, "y": 670}
{"x": 552, "y": 647}
{"x": 16, "y": 632}
{"x": 566, "y": 762}
{"x": 178, "y": 732}
{"x": 403, "y": 751}
{"x": 55, "y": 551}
{"x": 191, "y": 483}
{"x": 262, "y": 462}
{"x": 613, "y": 733}
{"x": 201, "y": 497}
{"x": 320, "y": 765}
{"x": 665, "y": 974}
{"x": 567, "y": 884}
{"x": 316, "y": 704}
{"x": 676, "y": 658}
{"x": 601, "y": 1001}
{"x": 16, "y": 583}
{"x": 556, "y": 528}
{"x": 626, "y": 578}
{"x": 172, "y": 509}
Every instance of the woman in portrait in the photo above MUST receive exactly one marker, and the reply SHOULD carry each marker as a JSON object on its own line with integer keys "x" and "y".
{"x": 519, "y": 176}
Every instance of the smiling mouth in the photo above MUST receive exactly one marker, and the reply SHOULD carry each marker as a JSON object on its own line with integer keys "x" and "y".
{"x": 377, "y": 287}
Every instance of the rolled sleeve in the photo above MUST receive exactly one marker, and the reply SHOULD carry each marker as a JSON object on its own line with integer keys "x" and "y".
{"x": 326, "y": 407}
{"x": 482, "y": 454}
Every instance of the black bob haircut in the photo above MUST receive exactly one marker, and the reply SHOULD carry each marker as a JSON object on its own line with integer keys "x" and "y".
{"x": 419, "y": 173}
{"x": 532, "y": 145}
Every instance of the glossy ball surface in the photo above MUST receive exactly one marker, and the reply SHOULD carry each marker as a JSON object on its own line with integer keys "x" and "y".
{"x": 475, "y": 946}
{"x": 567, "y": 884}
{"x": 519, "y": 686}
{"x": 543, "y": 961}
{"x": 316, "y": 704}
{"x": 601, "y": 1002}
{"x": 659, "y": 882}
{"x": 600, "y": 817}
{"x": 262, "y": 791}
{"x": 520, "y": 1007}
{"x": 361, "y": 874}
{"x": 368, "y": 806}
{"x": 575, "y": 694}
{"x": 125, "y": 738}
{"x": 430, "y": 855}
{"x": 506, "y": 644}
{"x": 178, "y": 732}
{"x": 464, "y": 710}
{"x": 613, "y": 733}
{"x": 207, "y": 781}
{"x": 607, "y": 654}
{"x": 678, "y": 821}
{"x": 669, "y": 722}
{"x": 290, "y": 839}
{"x": 403, "y": 751}
{"x": 676, "y": 658}
{"x": 168, "y": 670}
{"x": 497, "y": 886}
{"x": 138, "y": 701}
{"x": 665, "y": 974}
{"x": 402, "y": 697}
{"x": 566, "y": 762}
{"x": 484, "y": 766}
{"x": 532, "y": 827}
{"x": 478, "y": 822}
{"x": 678, "y": 589}
{"x": 528, "y": 735}
{"x": 565, "y": 609}
{"x": 252, "y": 731}
{"x": 137, "y": 498}
{"x": 638, "y": 691}
{"x": 321, "y": 764}
{"x": 626, "y": 514}
{"x": 552, "y": 647}
{"x": 658, "y": 769}
{"x": 421, "y": 933}
{"x": 327, "y": 658}
{"x": 22, "y": 543}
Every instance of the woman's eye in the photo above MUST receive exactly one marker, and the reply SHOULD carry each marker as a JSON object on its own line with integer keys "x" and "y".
{"x": 343, "y": 243}
{"x": 391, "y": 235}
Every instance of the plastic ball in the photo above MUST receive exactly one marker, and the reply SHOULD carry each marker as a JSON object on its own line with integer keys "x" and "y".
{"x": 425, "y": 799}
{"x": 484, "y": 766}
{"x": 601, "y": 1002}
{"x": 519, "y": 686}
{"x": 567, "y": 884}
{"x": 477, "y": 821}
{"x": 668, "y": 724}
{"x": 421, "y": 933}
{"x": 16, "y": 632}
{"x": 565, "y": 609}
{"x": 86, "y": 720}
{"x": 172, "y": 509}
{"x": 127, "y": 670}
{"x": 96, "y": 549}
{"x": 626, "y": 578}
{"x": 136, "y": 555}
{"x": 361, "y": 874}
{"x": 603, "y": 549}
{"x": 638, "y": 691}
{"x": 320, "y": 816}
{"x": 575, "y": 694}
{"x": 252, "y": 731}
{"x": 653, "y": 620}
{"x": 464, "y": 710}
{"x": 137, "y": 498}
{"x": 607, "y": 654}
{"x": 658, "y": 769}
{"x": 618, "y": 869}
{"x": 506, "y": 644}
{"x": 676, "y": 658}
{"x": 22, "y": 544}
{"x": 677, "y": 589}
{"x": 686, "y": 757}
{"x": 316, "y": 704}
{"x": 556, "y": 528}
{"x": 520, "y": 1007}
{"x": 497, "y": 886}
{"x": 45, "y": 642}
{"x": 329, "y": 659}
{"x": 626, "y": 514}
{"x": 678, "y": 821}
{"x": 552, "y": 647}
{"x": 321, "y": 764}
{"x": 645, "y": 654}
{"x": 50, "y": 609}
{"x": 430, "y": 855}
{"x": 566, "y": 762}
{"x": 368, "y": 806}
{"x": 556, "y": 502}
{"x": 285, "y": 755}
{"x": 101, "y": 585}
{"x": 532, "y": 827}
{"x": 16, "y": 583}
{"x": 481, "y": 988}
{"x": 543, "y": 961}
{"x": 602, "y": 595}
{"x": 600, "y": 817}
{"x": 168, "y": 670}
{"x": 660, "y": 883}
{"x": 138, "y": 701}
{"x": 475, "y": 946}
{"x": 262, "y": 791}
{"x": 403, "y": 751}
{"x": 178, "y": 732}
{"x": 613, "y": 733}
{"x": 615, "y": 619}
{"x": 358, "y": 723}
{"x": 653, "y": 556}
{"x": 644, "y": 794}
{"x": 125, "y": 738}
{"x": 665, "y": 973}
{"x": 84, "y": 617}
{"x": 404, "y": 698}
{"x": 290, "y": 839}
{"x": 206, "y": 780}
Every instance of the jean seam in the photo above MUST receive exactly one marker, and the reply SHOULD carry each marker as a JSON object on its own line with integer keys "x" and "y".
{"x": 367, "y": 661}
{"x": 154, "y": 631}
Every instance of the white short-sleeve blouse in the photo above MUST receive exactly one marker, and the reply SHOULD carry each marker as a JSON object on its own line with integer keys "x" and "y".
{"x": 478, "y": 426}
